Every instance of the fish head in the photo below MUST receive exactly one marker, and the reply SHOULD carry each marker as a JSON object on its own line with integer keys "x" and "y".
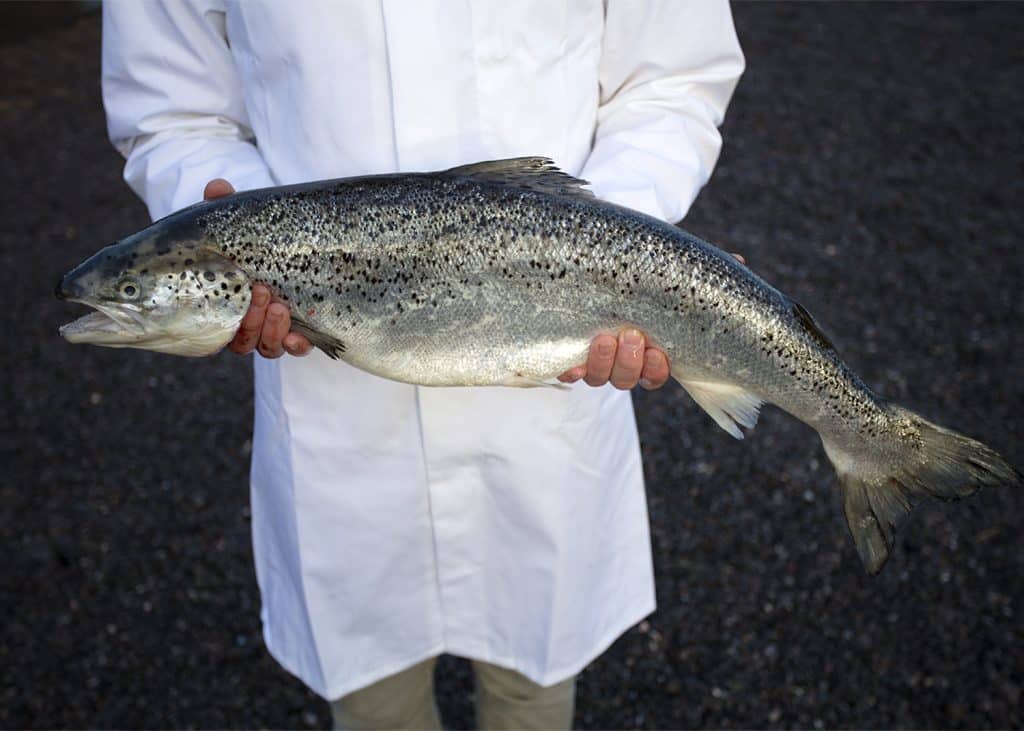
{"x": 166, "y": 290}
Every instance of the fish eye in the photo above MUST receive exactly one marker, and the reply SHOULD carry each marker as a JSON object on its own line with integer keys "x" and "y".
{"x": 128, "y": 289}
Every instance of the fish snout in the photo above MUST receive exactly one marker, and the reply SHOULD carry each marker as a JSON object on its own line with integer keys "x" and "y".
{"x": 68, "y": 288}
{"x": 61, "y": 291}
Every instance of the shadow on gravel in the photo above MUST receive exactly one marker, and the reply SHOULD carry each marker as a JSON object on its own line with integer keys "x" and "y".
{"x": 872, "y": 169}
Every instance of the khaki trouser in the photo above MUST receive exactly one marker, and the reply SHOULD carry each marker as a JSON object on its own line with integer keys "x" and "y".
{"x": 504, "y": 700}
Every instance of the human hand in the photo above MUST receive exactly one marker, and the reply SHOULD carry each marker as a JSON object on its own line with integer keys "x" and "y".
{"x": 624, "y": 361}
{"x": 267, "y": 324}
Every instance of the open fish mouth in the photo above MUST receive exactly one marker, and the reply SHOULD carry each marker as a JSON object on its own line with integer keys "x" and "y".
{"x": 106, "y": 325}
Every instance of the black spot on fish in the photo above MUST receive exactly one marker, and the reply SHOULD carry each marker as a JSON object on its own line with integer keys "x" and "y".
{"x": 209, "y": 276}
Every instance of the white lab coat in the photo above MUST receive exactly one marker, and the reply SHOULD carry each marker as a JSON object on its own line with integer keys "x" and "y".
{"x": 392, "y": 523}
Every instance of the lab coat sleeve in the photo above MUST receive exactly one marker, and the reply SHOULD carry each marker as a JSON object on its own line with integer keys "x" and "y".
{"x": 174, "y": 101}
{"x": 668, "y": 70}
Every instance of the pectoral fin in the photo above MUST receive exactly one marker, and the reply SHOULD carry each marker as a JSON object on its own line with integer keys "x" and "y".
{"x": 333, "y": 347}
{"x": 517, "y": 380}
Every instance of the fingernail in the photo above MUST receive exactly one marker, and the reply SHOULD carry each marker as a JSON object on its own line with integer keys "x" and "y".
{"x": 605, "y": 349}
{"x": 260, "y": 297}
{"x": 644, "y": 383}
{"x": 632, "y": 339}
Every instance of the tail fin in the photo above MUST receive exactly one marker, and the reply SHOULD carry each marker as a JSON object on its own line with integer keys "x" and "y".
{"x": 880, "y": 489}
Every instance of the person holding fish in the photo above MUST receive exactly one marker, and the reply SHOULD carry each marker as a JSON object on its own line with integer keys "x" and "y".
{"x": 393, "y": 523}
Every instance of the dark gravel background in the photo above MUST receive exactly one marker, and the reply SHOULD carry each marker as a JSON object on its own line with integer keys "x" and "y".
{"x": 872, "y": 169}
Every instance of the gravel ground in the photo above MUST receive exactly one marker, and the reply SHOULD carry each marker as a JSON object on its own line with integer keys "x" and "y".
{"x": 872, "y": 169}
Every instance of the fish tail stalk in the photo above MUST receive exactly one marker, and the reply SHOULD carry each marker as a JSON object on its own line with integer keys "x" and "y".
{"x": 882, "y": 481}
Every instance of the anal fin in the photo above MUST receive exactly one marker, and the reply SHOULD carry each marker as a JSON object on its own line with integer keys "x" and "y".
{"x": 730, "y": 406}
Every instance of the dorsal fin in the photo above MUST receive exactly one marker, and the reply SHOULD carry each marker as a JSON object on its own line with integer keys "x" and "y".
{"x": 533, "y": 173}
{"x": 811, "y": 326}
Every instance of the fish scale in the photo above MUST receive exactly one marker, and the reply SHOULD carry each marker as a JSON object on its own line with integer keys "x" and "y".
{"x": 501, "y": 273}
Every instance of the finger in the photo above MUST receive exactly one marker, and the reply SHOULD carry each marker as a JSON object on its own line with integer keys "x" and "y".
{"x": 573, "y": 374}
{"x": 656, "y": 369}
{"x": 629, "y": 360}
{"x": 292, "y": 340}
{"x": 742, "y": 259}
{"x": 296, "y": 344}
{"x": 275, "y": 328}
{"x": 600, "y": 360}
{"x": 217, "y": 188}
{"x": 293, "y": 343}
{"x": 252, "y": 324}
